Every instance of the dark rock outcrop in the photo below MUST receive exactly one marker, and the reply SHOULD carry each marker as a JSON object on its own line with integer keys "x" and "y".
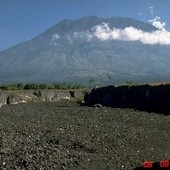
{"x": 144, "y": 97}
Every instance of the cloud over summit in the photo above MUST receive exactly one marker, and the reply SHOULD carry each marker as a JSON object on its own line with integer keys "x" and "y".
{"x": 104, "y": 32}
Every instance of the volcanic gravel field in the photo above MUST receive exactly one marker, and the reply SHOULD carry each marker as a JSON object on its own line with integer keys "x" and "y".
{"x": 64, "y": 135}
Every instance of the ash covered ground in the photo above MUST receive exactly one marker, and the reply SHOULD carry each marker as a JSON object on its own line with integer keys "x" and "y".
{"x": 64, "y": 135}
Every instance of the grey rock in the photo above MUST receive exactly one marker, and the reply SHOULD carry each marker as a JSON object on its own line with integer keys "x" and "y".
{"x": 64, "y": 95}
{"x": 77, "y": 94}
{"x": 97, "y": 105}
{"x": 28, "y": 95}
{"x": 82, "y": 103}
{"x": 15, "y": 98}
{"x": 31, "y": 95}
{"x": 37, "y": 93}
{"x": 47, "y": 95}
{"x": 55, "y": 95}
{"x": 3, "y": 98}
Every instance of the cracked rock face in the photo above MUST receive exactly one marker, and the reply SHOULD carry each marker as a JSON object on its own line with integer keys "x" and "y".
{"x": 3, "y": 97}
{"x": 16, "y": 98}
{"x": 77, "y": 94}
{"x": 40, "y": 95}
{"x": 64, "y": 95}
{"x": 55, "y": 95}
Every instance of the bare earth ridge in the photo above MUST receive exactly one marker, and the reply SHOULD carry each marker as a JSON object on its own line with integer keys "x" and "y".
{"x": 64, "y": 135}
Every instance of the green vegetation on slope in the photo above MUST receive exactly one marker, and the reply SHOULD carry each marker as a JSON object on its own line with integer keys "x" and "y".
{"x": 34, "y": 86}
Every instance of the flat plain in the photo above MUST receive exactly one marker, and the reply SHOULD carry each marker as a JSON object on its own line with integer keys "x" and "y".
{"x": 65, "y": 135}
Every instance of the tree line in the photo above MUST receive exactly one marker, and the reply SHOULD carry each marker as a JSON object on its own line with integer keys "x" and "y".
{"x": 34, "y": 86}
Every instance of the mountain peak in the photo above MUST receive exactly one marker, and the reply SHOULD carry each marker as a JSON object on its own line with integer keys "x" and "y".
{"x": 88, "y": 22}
{"x": 64, "y": 53}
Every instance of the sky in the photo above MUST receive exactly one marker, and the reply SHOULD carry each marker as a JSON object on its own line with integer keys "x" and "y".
{"x": 21, "y": 20}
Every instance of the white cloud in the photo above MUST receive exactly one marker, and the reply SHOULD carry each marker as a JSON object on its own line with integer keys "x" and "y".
{"x": 87, "y": 35}
{"x": 158, "y": 23}
{"x": 103, "y": 33}
{"x": 151, "y": 8}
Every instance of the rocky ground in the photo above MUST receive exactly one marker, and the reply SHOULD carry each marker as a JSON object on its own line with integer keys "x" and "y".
{"x": 64, "y": 135}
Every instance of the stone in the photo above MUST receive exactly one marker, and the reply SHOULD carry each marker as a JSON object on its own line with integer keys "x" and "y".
{"x": 3, "y": 98}
{"x": 77, "y": 94}
{"x": 64, "y": 95}
{"x": 47, "y": 95}
{"x": 97, "y": 105}
{"x": 15, "y": 98}
{"x": 28, "y": 95}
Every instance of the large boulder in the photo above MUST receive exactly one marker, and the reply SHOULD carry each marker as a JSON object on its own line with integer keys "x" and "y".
{"x": 46, "y": 95}
{"x": 63, "y": 95}
{"x": 29, "y": 95}
{"x": 15, "y": 98}
{"x": 55, "y": 95}
{"x": 77, "y": 94}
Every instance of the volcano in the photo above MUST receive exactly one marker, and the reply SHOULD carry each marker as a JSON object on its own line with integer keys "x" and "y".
{"x": 71, "y": 51}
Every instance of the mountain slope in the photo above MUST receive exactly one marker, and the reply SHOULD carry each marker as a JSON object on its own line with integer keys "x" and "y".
{"x": 67, "y": 53}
